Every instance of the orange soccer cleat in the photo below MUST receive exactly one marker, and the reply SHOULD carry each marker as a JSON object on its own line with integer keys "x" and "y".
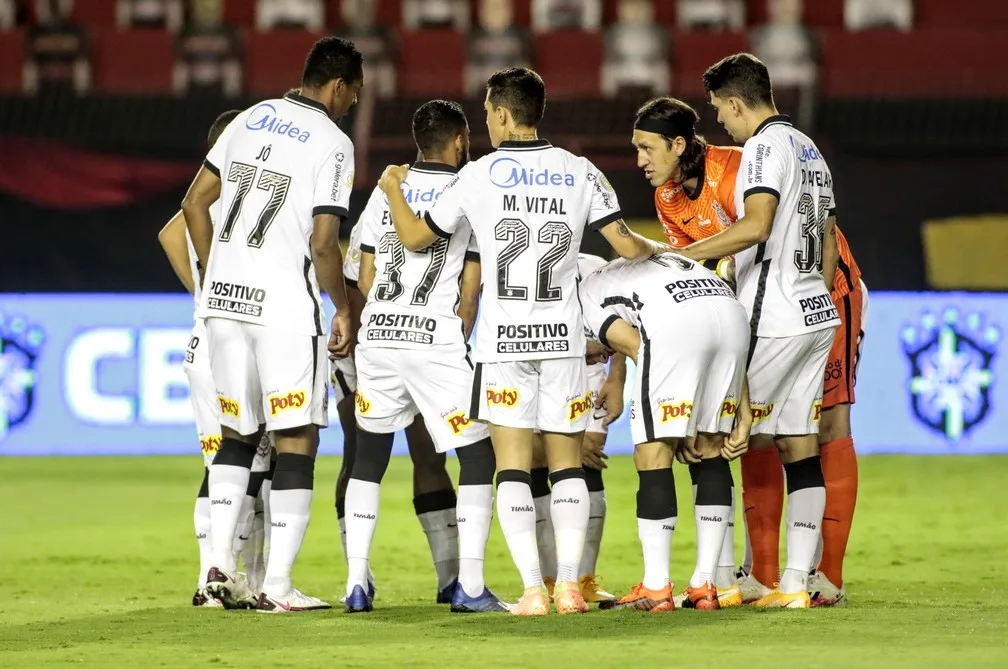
{"x": 568, "y": 599}
{"x": 702, "y": 598}
{"x": 644, "y": 599}
{"x": 534, "y": 602}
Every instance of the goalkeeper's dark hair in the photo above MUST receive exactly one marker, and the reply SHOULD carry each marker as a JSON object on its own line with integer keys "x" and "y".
{"x": 218, "y": 125}
{"x": 673, "y": 118}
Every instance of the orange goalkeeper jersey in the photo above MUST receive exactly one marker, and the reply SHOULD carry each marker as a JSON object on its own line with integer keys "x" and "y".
{"x": 711, "y": 209}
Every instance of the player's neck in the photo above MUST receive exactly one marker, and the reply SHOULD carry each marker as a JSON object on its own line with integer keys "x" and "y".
{"x": 758, "y": 116}
{"x": 440, "y": 159}
{"x": 522, "y": 134}
{"x": 314, "y": 95}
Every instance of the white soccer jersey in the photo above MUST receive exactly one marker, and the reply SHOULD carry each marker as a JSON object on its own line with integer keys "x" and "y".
{"x": 281, "y": 163}
{"x": 214, "y": 218}
{"x": 351, "y": 262}
{"x": 414, "y": 299}
{"x": 647, "y": 293}
{"x": 528, "y": 204}
{"x": 780, "y": 281}
{"x": 587, "y": 264}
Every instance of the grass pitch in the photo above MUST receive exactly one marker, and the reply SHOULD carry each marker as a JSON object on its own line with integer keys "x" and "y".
{"x": 98, "y": 564}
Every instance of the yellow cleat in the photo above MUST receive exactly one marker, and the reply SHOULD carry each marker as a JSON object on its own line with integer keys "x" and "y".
{"x": 533, "y": 602}
{"x": 729, "y": 597}
{"x": 776, "y": 599}
{"x": 568, "y": 599}
{"x": 550, "y": 584}
{"x": 593, "y": 592}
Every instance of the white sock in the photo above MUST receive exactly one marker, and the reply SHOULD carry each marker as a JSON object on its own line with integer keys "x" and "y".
{"x": 201, "y": 521}
{"x": 475, "y": 513}
{"x": 725, "y": 575}
{"x": 516, "y": 514}
{"x": 227, "y": 487}
{"x": 593, "y": 537}
{"x": 264, "y": 495}
{"x": 361, "y": 520}
{"x": 289, "y": 514}
{"x": 747, "y": 555}
{"x": 342, "y": 536}
{"x": 569, "y": 511}
{"x": 441, "y": 529}
{"x": 818, "y": 555}
{"x": 711, "y": 524}
{"x": 252, "y": 555}
{"x": 805, "y": 509}
{"x": 244, "y": 530}
{"x": 544, "y": 536}
{"x": 656, "y": 544}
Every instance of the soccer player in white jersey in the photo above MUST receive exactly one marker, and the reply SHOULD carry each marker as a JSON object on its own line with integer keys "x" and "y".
{"x": 283, "y": 171}
{"x": 784, "y": 200}
{"x": 434, "y": 497}
{"x": 413, "y": 357}
{"x": 528, "y": 204}
{"x": 689, "y": 337}
{"x": 250, "y": 539}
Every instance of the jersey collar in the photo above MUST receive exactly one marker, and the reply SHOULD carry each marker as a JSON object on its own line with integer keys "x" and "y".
{"x": 524, "y": 144}
{"x": 773, "y": 120}
{"x": 426, "y": 166}
{"x": 302, "y": 100}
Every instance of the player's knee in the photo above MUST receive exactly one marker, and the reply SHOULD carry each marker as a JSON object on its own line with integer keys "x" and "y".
{"x": 235, "y": 452}
{"x": 301, "y": 440}
{"x": 540, "y": 481}
{"x": 477, "y": 463}
{"x": 834, "y": 423}
{"x": 373, "y": 455}
{"x": 708, "y": 445}
{"x": 797, "y": 447}
{"x": 652, "y": 455}
{"x": 593, "y": 479}
{"x": 713, "y": 479}
{"x": 656, "y": 495}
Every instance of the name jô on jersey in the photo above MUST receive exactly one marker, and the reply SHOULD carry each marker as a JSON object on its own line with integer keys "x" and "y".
{"x": 687, "y": 289}
{"x": 532, "y": 338}
{"x": 401, "y": 327}
{"x": 236, "y": 298}
{"x": 264, "y": 117}
{"x": 507, "y": 172}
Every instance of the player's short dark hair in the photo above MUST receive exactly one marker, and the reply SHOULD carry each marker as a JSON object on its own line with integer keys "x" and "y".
{"x": 436, "y": 123}
{"x": 673, "y": 118}
{"x": 521, "y": 91}
{"x": 219, "y": 124}
{"x": 332, "y": 58}
{"x": 742, "y": 75}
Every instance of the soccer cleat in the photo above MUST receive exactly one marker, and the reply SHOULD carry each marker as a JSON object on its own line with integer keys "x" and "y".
{"x": 776, "y": 599}
{"x": 751, "y": 589}
{"x": 643, "y": 599}
{"x": 593, "y": 592}
{"x": 822, "y": 592}
{"x": 370, "y": 592}
{"x": 702, "y": 598}
{"x": 550, "y": 584}
{"x": 294, "y": 601}
{"x": 203, "y": 599}
{"x": 534, "y": 602}
{"x": 568, "y": 599}
{"x": 485, "y": 602}
{"x": 729, "y": 597}
{"x": 232, "y": 591}
{"x": 446, "y": 595}
{"x": 358, "y": 601}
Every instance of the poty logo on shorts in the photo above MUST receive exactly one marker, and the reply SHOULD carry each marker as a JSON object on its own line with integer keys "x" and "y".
{"x": 292, "y": 400}
{"x": 508, "y": 173}
{"x": 264, "y": 117}
{"x": 728, "y": 408}
{"x": 579, "y": 406}
{"x": 761, "y": 411}
{"x": 670, "y": 411}
{"x": 363, "y": 406}
{"x": 507, "y": 397}
{"x": 816, "y": 412}
{"x": 457, "y": 422}
{"x": 229, "y": 407}
{"x": 210, "y": 444}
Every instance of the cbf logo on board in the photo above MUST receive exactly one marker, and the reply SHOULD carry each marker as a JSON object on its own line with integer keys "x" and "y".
{"x": 950, "y": 370}
{"x": 20, "y": 346}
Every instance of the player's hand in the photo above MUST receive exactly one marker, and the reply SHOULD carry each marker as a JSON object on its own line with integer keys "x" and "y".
{"x": 341, "y": 339}
{"x": 611, "y": 397}
{"x": 726, "y": 270}
{"x": 737, "y": 443}
{"x": 392, "y": 178}
{"x": 596, "y": 352}
{"x": 592, "y": 455}
{"x": 686, "y": 452}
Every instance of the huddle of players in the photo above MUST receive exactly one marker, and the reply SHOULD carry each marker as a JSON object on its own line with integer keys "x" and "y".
{"x": 502, "y": 233}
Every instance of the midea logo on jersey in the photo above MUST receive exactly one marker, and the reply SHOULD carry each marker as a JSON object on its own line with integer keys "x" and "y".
{"x": 416, "y": 195}
{"x": 508, "y": 173}
{"x": 264, "y": 117}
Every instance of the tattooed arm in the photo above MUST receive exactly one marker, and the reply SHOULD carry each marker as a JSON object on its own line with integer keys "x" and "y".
{"x": 630, "y": 245}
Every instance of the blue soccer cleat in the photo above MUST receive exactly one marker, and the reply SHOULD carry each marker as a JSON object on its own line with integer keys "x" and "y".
{"x": 447, "y": 594}
{"x": 358, "y": 601}
{"x": 485, "y": 602}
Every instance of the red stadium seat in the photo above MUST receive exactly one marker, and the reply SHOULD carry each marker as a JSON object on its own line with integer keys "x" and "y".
{"x": 664, "y": 12}
{"x": 132, "y": 62}
{"x": 274, "y": 61}
{"x": 430, "y": 62}
{"x": 240, "y": 13}
{"x": 946, "y": 14}
{"x": 11, "y": 60}
{"x": 569, "y": 62}
{"x": 95, "y": 13}
{"x": 693, "y": 52}
{"x": 390, "y": 13}
{"x": 817, "y": 14}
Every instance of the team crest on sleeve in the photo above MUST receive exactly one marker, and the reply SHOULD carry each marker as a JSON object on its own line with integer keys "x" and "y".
{"x": 20, "y": 346}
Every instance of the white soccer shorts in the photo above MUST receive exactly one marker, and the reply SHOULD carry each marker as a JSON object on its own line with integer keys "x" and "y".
{"x": 394, "y": 384}
{"x": 343, "y": 376}
{"x": 596, "y": 376}
{"x": 689, "y": 376}
{"x": 548, "y": 395}
{"x": 786, "y": 382}
{"x": 265, "y": 375}
{"x": 206, "y": 407}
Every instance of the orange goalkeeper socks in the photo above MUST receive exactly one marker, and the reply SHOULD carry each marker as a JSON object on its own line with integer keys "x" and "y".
{"x": 839, "y": 464}
{"x": 763, "y": 497}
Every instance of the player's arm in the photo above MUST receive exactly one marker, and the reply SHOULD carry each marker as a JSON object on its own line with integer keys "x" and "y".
{"x": 830, "y": 252}
{"x": 752, "y": 229}
{"x": 620, "y": 336}
{"x": 414, "y": 233}
{"x": 737, "y": 442}
{"x": 328, "y": 259}
{"x": 356, "y": 300}
{"x": 469, "y": 290}
{"x": 367, "y": 272}
{"x": 173, "y": 240}
{"x": 629, "y": 244}
{"x": 203, "y": 192}
{"x": 611, "y": 395}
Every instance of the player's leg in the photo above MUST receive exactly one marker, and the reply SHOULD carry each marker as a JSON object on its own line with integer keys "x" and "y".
{"x": 294, "y": 411}
{"x": 545, "y": 540}
{"x": 253, "y": 549}
{"x": 383, "y": 408}
{"x": 434, "y": 502}
{"x": 597, "y": 507}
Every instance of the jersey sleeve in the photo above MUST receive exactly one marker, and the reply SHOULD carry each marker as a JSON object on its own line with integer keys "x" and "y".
{"x": 472, "y": 251}
{"x": 335, "y": 180}
{"x": 370, "y": 222}
{"x": 450, "y": 209}
{"x": 726, "y": 188}
{"x": 762, "y": 169}
{"x": 604, "y": 208}
{"x": 597, "y": 318}
{"x": 217, "y": 156}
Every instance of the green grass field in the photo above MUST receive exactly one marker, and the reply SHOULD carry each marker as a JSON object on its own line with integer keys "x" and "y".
{"x": 98, "y": 563}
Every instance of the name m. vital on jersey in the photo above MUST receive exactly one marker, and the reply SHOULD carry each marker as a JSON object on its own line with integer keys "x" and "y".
{"x": 818, "y": 309}
{"x": 401, "y": 327}
{"x": 687, "y": 289}
{"x": 532, "y": 338}
{"x": 236, "y": 298}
